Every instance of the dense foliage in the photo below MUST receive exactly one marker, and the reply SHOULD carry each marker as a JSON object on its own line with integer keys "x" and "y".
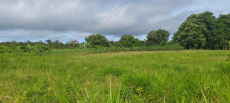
{"x": 97, "y": 40}
{"x": 204, "y": 31}
{"x": 128, "y": 41}
{"x": 3, "y": 49}
{"x": 157, "y": 37}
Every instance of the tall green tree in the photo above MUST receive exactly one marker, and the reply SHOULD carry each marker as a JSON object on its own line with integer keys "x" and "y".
{"x": 222, "y": 32}
{"x": 74, "y": 44}
{"x": 209, "y": 20}
{"x": 157, "y": 37}
{"x": 57, "y": 45}
{"x": 191, "y": 33}
{"x": 49, "y": 43}
{"x": 204, "y": 31}
{"x": 97, "y": 40}
{"x": 127, "y": 41}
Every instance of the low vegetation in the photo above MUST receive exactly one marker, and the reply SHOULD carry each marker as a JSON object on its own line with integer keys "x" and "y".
{"x": 130, "y": 77}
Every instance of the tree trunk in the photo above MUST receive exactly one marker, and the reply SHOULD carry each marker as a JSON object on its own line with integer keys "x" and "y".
{"x": 228, "y": 46}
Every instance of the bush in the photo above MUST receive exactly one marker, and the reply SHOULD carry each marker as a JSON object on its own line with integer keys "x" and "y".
{"x": 36, "y": 49}
{"x": 23, "y": 48}
{"x": 4, "y": 49}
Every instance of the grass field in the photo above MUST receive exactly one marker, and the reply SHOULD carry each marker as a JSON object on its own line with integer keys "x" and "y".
{"x": 188, "y": 76}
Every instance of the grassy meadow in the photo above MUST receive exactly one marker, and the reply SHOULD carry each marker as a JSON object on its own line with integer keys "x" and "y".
{"x": 187, "y": 76}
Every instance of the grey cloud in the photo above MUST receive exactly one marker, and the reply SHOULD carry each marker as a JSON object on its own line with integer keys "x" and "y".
{"x": 68, "y": 19}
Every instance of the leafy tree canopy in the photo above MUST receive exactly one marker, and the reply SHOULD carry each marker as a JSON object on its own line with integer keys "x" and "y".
{"x": 204, "y": 31}
{"x": 157, "y": 37}
{"x": 191, "y": 33}
{"x": 127, "y": 41}
{"x": 97, "y": 40}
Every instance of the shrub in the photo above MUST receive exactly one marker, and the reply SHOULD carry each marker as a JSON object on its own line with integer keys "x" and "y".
{"x": 4, "y": 49}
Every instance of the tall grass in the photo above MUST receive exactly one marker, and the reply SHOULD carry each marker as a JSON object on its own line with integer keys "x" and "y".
{"x": 142, "y": 76}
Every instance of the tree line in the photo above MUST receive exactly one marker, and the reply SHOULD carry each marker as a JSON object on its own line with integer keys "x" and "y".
{"x": 198, "y": 31}
{"x": 156, "y": 37}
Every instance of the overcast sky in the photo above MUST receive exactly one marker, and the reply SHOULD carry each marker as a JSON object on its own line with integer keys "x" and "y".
{"x": 67, "y": 20}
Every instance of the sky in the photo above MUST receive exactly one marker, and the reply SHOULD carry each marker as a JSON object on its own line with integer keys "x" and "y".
{"x": 67, "y": 20}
